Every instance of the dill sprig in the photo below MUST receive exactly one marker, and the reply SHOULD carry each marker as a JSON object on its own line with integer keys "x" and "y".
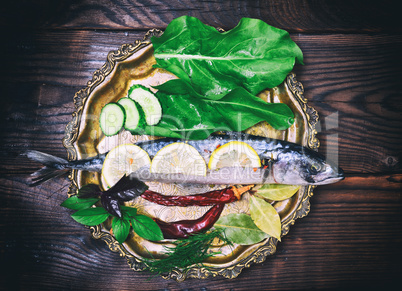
{"x": 187, "y": 252}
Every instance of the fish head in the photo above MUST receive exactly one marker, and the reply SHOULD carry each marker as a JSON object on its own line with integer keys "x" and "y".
{"x": 305, "y": 167}
{"x": 328, "y": 173}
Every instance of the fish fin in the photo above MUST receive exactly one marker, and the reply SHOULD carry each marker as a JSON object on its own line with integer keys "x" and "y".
{"x": 44, "y": 174}
{"x": 53, "y": 167}
{"x": 45, "y": 159}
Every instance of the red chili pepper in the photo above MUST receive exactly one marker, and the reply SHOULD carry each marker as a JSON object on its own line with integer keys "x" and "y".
{"x": 205, "y": 199}
{"x": 184, "y": 228}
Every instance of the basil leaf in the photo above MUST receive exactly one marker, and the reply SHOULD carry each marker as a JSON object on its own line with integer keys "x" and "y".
{"x": 146, "y": 228}
{"x": 253, "y": 55}
{"x": 121, "y": 229}
{"x": 91, "y": 216}
{"x": 89, "y": 190}
{"x": 240, "y": 229}
{"x": 237, "y": 111}
{"x": 111, "y": 204}
{"x": 127, "y": 188}
{"x": 265, "y": 217}
{"x": 277, "y": 192}
{"x": 76, "y": 203}
{"x": 128, "y": 212}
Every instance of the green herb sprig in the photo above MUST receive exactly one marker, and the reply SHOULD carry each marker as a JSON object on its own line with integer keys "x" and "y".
{"x": 187, "y": 252}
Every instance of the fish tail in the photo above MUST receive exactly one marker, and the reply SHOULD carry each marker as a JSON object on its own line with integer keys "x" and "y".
{"x": 53, "y": 167}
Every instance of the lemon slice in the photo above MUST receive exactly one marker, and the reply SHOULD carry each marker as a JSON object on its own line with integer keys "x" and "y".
{"x": 179, "y": 158}
{"x": 234, "y": 154}
{"x": 123, "y": 159}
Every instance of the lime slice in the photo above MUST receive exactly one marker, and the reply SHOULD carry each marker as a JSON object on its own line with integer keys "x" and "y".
{"x": 234, "y": 154}
{"x": 123, "y": 159}
{"x": 179, "y": 158}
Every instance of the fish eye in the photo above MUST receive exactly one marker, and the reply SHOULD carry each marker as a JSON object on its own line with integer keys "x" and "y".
{"x": 314, "y": 169}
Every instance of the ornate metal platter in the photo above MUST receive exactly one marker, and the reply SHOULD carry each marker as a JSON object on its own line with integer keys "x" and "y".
{"x": 132, "y": 64}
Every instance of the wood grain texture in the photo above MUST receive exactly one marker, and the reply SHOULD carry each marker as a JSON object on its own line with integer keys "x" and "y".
{"x": 296, "y": 16}
{"x": 351, "y": 80}
{"x": 343, "y": 242}
{"x": 351, "y": 237}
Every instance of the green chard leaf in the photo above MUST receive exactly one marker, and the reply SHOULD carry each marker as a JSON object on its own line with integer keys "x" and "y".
{"x": 91, "y": 216}
{"x": 219, "y": 76}
{"x": 277, "y": 192}
{"x": 76, "y": 203}
{"x": 146, "y": 228}
{"x": 239, "y": 228}
{"x": 121, "y": 228}
{"x": 265, "y": 217}
{"x": 253, "y": 55}
{"x": 236, "y": 111}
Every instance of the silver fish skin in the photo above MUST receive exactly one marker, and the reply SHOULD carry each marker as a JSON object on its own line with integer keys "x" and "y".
{"x": 282, "y": 163}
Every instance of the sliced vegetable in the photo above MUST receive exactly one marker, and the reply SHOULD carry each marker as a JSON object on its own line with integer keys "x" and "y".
{"x": 148, "y": 102}
{"x": 123, "y": 160}
{"x": 179, "y": 158}
{"x": 234, "y": 154}
{"x": 112, "y": 118}
{"x": 134, "y": 114}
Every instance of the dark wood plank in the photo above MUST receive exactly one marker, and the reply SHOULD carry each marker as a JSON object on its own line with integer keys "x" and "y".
{"x": 351, "y": 80}
{"x": 350, "y": 238}
{"x": 368, "y": 62}
{"x": 296, "y": 16}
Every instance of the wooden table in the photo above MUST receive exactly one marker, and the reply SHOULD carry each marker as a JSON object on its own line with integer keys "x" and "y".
{"x": 352, "y": 74}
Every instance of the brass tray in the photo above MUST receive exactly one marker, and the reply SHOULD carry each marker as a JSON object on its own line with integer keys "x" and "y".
{"x": 130, "y": 64}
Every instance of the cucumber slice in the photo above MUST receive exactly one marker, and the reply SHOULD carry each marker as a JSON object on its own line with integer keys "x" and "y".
{"x": 134, "y": 114}
{"x": 112, "y": 118}
{"x": 149, "y": 103}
